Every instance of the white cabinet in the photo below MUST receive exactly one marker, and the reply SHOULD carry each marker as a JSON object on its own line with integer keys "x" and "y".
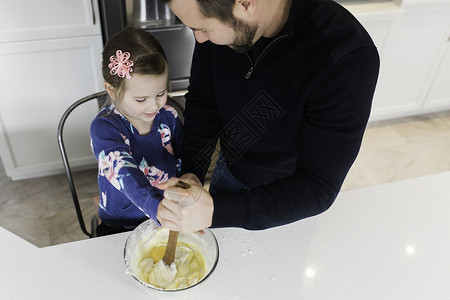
{"x": 24, "y": 20}
{"x": 439, "y": 93}
{"x": 49, "y": 60}
{"x": 410, "y": 36}
{"x": 413, "y": 44}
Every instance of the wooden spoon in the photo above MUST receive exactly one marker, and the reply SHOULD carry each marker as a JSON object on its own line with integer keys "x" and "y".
{"x": 169, "y": 255}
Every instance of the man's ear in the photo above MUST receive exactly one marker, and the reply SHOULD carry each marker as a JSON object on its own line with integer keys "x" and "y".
{"x": 245, "y": 9}
{"x": 111, "y": 90}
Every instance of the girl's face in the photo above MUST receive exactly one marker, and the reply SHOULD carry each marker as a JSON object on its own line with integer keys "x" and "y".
{"x": 143, "y": 97}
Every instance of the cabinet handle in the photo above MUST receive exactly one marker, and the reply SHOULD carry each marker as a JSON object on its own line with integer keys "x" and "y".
{"x": 93, "y": 11}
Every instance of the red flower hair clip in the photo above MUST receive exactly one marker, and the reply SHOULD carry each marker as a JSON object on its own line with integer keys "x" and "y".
{"x": 121, "y": 64}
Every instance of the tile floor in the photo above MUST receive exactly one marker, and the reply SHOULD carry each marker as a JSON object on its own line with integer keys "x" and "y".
{"x": 41, "y": 211}
{"x": 402, "y": 148}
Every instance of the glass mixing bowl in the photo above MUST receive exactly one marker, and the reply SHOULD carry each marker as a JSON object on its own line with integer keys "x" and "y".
{"x": 137, "y": 248}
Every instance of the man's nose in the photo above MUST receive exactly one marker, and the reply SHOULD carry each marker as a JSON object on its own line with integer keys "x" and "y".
{"x": 200, "y": 36}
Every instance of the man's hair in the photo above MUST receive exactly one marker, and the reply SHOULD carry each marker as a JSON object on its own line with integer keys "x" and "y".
{"x": 219, "y": 9}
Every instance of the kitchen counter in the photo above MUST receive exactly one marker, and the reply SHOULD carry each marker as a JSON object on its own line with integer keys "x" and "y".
{"x": 390, "y": 241}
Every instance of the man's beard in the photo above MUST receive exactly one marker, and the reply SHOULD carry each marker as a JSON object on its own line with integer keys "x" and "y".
{"x": 244, "y": 36}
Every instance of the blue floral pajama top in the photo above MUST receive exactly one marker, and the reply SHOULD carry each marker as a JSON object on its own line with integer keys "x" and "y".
{"x": 130, "y": 165}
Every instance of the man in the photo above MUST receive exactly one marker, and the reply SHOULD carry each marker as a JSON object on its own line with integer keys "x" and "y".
{"x": 287, "y": 87}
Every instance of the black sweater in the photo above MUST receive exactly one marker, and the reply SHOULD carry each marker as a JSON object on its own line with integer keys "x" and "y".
{"x": 290, "y": 115}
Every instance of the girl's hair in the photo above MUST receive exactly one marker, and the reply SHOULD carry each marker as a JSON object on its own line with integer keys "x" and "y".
{"x": 146, "y": 53}
{"x": 218, "y": 9}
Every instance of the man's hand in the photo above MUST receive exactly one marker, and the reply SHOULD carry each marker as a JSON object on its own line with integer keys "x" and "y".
{"x": 185, "y": 210}
{"x": 191, "y": 179}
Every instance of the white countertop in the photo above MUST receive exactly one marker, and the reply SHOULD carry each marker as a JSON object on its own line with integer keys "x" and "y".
{"x": 390, "y": 241}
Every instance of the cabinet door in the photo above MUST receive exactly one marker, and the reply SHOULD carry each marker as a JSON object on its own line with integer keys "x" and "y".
{"x": 439, "y": 95}
{"x": 22, "y": 20}
{"x": 407, "y": 62}
{"x": 41, "y": 79}
{"x": 378, "y": 31}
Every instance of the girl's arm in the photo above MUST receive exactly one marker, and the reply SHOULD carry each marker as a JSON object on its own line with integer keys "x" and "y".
{"x": 118, "y": 166}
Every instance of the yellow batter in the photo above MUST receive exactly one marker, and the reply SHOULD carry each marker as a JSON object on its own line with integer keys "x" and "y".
{"x": 188, "y": 267}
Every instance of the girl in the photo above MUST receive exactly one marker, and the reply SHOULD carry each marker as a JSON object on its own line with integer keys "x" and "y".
{"x": 136, "y": 137}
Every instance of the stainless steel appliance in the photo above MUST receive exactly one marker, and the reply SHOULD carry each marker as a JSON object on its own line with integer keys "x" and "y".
{"x": 155, "y": 17}
{"x": 151, "y": 13}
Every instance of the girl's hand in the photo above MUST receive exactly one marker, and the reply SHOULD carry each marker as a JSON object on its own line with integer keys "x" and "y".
{"x": 185, "y": 210}
{"x": 188, "y": 178}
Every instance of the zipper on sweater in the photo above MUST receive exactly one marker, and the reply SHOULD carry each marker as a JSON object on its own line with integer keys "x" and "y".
{"x": 253, "y": 65}
{"x": 250, "y": 71}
